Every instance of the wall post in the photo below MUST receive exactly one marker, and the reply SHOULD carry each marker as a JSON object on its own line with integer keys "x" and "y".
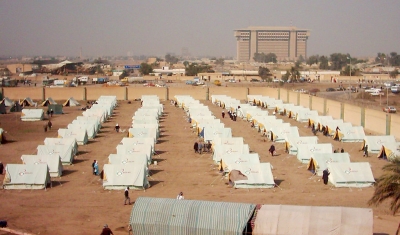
{"x": 279, "y": 93}
{"x": 126, "y": 93}
{"x": 84, "y": 93}
{"x": 310, "y": 102}
{"x": 298, "y": 98}
{"x": 166, "y": 93}
{"x": 325, "y": 111}
{"x": 341, "y": 110}
{"x": 388, "y": 123}
{"x": 362, "y": 116}
{"x": 208, "y": 93}
{"x": 43, "y": 93}
{"x": 287, "y": 96}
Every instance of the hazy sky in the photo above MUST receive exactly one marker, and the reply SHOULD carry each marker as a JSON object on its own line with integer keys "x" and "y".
{"x": 149, "y": 27}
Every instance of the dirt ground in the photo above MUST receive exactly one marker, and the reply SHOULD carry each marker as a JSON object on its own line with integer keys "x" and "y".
{"x": 76, "y": 203}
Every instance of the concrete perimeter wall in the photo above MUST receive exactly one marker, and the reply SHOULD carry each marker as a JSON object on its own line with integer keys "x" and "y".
{"x": 374, "y": 121}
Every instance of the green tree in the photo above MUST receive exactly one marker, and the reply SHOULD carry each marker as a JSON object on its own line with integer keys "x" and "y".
{"x": 264, "y": 73}
{"x": 145, "y": 68}
{"x": 323, "y": 62}
{"x": 394, "y": 73}
{"x": 171, "y": 59}
{"x": 388, "y": 186}
{"x": 301, "y": 59}
{"x": 314, "y": 59}
{"x": 338, "y": 61}
{"x": 219, "y": 61}
{"x": 186, "y": 63}
{"x": 193, "y": 69}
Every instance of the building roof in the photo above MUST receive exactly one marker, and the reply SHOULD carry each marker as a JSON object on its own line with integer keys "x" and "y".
{"x": 273, "y": 28}
{"x": 172, "y": 216}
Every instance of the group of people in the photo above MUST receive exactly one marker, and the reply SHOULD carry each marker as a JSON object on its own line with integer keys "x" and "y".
{"x": 337, "y": 150}
{"x": 232, "y": 115}
{"x": 200, "y": 147}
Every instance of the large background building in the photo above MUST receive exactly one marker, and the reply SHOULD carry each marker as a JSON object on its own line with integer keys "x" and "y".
{"x": 287, "y": 43}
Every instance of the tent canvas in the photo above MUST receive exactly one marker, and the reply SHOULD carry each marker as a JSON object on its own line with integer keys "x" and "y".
{"x": 353, "y": 174}
{"x": 201, "y": 127}
{"x": 16, "y": 107}
{"x": 280, "y": 133}
{"x": 148, "y": 126}
{"x": 22, "y": 176}
{"x": 89, "y": 128}
{"x": 375, "y": 142}
{"x": 304, "y": 115}
{"x": 80, "y": 135}
{"x": 306, "y": 151}
{"x": 48, "y": 101}
{"x": 32, "y": 115}
{"x": 389, "y": 151}
{"x": 350, "y": 134}
{"x": 288, "y": 219}
{"x": 228, "y": 160}
{"x": 221, "y": 150}
{"x": 27, "y": 102}
{"x": 136, "y": 149}
{"x": 67, "y": 142}
{"x": 120, "y": 176}
{"x": 71, "y": 102}
{"x": 320, "y": 161}
{"x": 65, "y": 152}
{"x": 138, "y": 141}
{"x": 138, "y": 159}
{"x": 57, "y": 108}
{"x": 247, "y": 175}
{"x": 90, "y": 122}
{"x": 143, "y": 132}
{"x": 210, "y": 133}
{"x": 292, "y": 142}
{"x": 167, "y": 216}
{"x": 52, "y": 161}
{"x": 7, "y": 102}
{"x": 227, "y": 141}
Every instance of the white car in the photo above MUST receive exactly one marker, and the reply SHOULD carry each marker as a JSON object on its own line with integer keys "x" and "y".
{"x": 373, "y": 90}
{"x": 377, "y": 93}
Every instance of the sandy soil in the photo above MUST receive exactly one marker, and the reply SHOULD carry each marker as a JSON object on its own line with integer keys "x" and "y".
{"x": 77, "y": 203}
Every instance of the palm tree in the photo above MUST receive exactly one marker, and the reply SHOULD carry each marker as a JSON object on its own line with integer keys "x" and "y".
{"x": 388, "y": 186}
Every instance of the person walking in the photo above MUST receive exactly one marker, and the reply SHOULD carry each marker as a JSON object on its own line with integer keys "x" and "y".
{"x": 272, "y": 150}
{"x": 1, "y": 168}
{"x": 127, "y": 198}
{"x": 325, "y": 175}
{"x": 93, "y": 169}
{"x": 117, "y": 128}
{"x": 195, "y": 146}
{"x": 200, "y": 147}
{"x": 180, "y": 196}
{"x": 223, "y": 114}
{"x": 96, "y": 168}
{"x": 106, "y": 230}
{"x": 365, "y": 151}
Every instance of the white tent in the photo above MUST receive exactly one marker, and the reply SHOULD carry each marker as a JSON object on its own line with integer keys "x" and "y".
{"x": 137, "y": 159}
{"x": 27, "y": 102}
{"x": 32, "y": 115}
{"x": 68, "y": 142}
{"x": 120, "y": 176}
{"x": 63, "y": 151}
{"x": 283, "y": 109}
{"x": 264, "y": 124}
{"x": 210, "y": 133}
{"x": 135, "y": 149}
{"x": 202, "y": 126}
{"x": 288, "y": 219}
{"x": 227, "y": 141}
{"x": 199, "y": 119}
{"x": 71, "y": 102}
{"x": 389, "y": 151}
{"x": 319, "y": 121}
{"x": 353, "y": 174}
{"x": 143, "y": 132}
{"x": 97, "y": 114}
{"x": 279, "y": 133}
{"x": 330, "y": 126}
{"x": 52, "y": 161}
{"x": 251, "y": 175}
{"x": 221, "y": 150}
{"x": 92, "y": 123}
{"x": 80, "y": 135}
{"x": 304, "y": 115}
{"x": 243, "y": 110}
{"x": 292, "y": 142}
{"x": 138, "y": 141}
{"x": 255, "y": 113}
{"x": 145, "y": 120}
{"x": 146, "y": 126}
{"x": 375, "y": 143}
{"x": 321, "y": 161}
{"x": 88, "y": 127}
{"x": 252, "y": 99}
{"x": 228, "y": 160}
{"x": 7, "y": 102}
{"x": 21, "y": 176}
{"x": 48, "y": 101}
{"x": 306, "y": 151}
{"x": 84, "y": 119}
{"x": 350, "y": 134}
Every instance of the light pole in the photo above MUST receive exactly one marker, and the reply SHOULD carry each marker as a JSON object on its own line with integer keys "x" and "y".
{"x": 350, "y": 65}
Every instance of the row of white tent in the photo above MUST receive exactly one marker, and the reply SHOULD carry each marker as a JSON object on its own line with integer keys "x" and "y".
{"x": 231, "y": 154}
{"x": 307, "y": 149}
{"x": 129, "y": 166}
{"x": 36, "y": 170}
{"x": 38, "y": 114}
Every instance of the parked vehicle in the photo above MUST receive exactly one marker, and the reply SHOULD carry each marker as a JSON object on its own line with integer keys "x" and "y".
{"x": 254, "y": 80}
{"x": 217, "y": 82}
{"x": 395, "y": 89}
{"x": 389, "y": 109}
{"x": 330, "y": 89}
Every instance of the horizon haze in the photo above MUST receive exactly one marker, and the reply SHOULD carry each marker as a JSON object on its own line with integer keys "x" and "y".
{"x": 205, "y": 28}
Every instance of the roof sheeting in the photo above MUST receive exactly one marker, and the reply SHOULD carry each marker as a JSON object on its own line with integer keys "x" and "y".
{"x": 287, "y": 219}
{"x": 170, "y": 216}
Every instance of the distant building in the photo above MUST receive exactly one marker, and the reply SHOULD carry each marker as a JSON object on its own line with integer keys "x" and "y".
{"x": 287, "y": 43}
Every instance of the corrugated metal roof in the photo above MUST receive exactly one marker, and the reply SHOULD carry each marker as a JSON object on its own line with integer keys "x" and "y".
{"x": 171, "y": 216}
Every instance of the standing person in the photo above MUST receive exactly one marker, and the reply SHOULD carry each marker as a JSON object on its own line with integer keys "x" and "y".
{"x": 1, "y": 168}
{"x": 195, "y": 146}
{"x": 106, "y": 230}
{"x": 325, "y": 175}
{"x": 49, "y": 124}
{"x": 93, "y": 169}
{"x": 365, "y": 151}
{"x": 117, "y": 128}
{"x": 223, "y": 114}
{"x": 180, "y": 196}
{"x": 126, "y": 193}
{"x": 342, "y": 150}
{"x": 200, "y": 147}
{"x": 51, "y": 112}
{"x": 271, "y": 150}
{"x": 96, "y": 168}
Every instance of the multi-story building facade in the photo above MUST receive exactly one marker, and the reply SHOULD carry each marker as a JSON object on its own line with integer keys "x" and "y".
{"x": 287, "y": 43}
